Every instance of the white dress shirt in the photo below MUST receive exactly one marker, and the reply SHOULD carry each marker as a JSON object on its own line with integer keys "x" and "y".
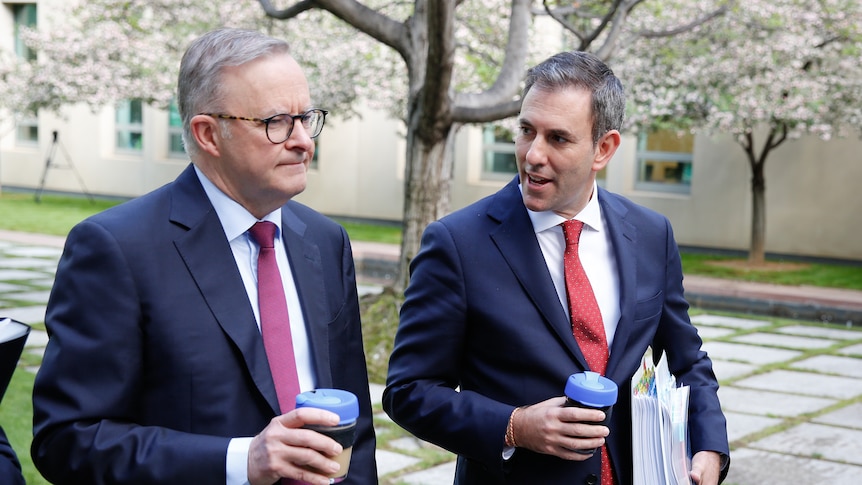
{"x": 595, "y": 252}
{"x": 236, "y": 221}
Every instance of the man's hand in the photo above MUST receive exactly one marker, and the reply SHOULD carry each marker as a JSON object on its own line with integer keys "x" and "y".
{"x": 547, "y": 427}
{"x": 705, "y": 467}
{"x": 285, "y": 450}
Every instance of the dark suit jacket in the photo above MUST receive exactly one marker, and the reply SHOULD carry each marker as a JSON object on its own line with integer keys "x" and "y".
{"x": 10, "y": 468}
{"x": 481, "y": 313}
{"x": 155, "y": 360}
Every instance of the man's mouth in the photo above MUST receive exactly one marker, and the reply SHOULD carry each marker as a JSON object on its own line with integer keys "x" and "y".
{"x": 536, "y": 180}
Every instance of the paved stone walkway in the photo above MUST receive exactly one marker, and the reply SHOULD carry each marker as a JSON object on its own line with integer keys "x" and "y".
{"x": 792, "y": 390}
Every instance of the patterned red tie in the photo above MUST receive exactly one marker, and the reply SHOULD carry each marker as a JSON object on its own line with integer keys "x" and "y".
{"x": 587, "y": 326}
{"x": 274, "y": 320}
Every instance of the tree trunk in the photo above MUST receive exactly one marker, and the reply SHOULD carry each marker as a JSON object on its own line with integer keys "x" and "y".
{"x": 777, "y": 135}
{"x": 757, "y": 250}
{"x": 427, "y": 188}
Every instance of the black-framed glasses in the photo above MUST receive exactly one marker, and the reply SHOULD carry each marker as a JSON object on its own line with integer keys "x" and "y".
{"x": 280, "y": 126}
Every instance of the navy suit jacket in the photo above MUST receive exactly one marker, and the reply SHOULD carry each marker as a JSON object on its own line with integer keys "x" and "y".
{"x": 155, "y": 360}
{"x": 10, "y": 468}
{"x": 481, "y": 313}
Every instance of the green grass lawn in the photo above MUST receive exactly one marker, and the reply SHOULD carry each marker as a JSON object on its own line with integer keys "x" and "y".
{"x": 16, "y": 417}
{"x": 57, "y": 214}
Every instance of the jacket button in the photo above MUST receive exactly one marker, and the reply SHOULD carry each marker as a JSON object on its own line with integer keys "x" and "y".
{"x": 592, "y": 479}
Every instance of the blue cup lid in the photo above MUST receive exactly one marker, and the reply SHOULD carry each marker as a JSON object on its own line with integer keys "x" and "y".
{"x": 591, "y": 389}
{"x": 343, "y": 403}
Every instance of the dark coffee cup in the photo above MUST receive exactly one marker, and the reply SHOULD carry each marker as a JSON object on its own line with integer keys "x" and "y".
{"x": 593, "y": 391}
{"x": 346, "y": 406}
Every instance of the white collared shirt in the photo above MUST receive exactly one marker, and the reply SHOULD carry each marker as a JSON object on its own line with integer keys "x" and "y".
{"x": 595, "y": 252}
{"x": 236, "y": 221}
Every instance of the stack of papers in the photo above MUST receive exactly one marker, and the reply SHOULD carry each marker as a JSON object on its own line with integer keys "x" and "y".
{"x": 659, "y": 426}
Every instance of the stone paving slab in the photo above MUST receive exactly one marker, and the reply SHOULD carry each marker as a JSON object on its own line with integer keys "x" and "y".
{"x": 31, "y": 296}
{"x": 27, "y": 314}
{"x": 723, "y": 321}
{"x": 46, "y": 283}
{"x": 756, "y": 467}
{"x": 37, "y": 338}
{"x": 817, "y": 441}
{"x": 20, "y": 275}
{"x": 788, "y": 341}
{"x": 438, "y": 475}
{"x": 824, "y": 332}
{"x": 748, "y": 353}
{"x": 741, "y": 425}
{"x": 852, "y": 350}
{"x": 7, "y": 287}
{"x": 714, "y": 332}
{"x": 805, "y": 383}
{"x": 725, "y": 369}
{"x": 768, "y": 403}
{"x": 831, "y": 364}
{"x": 389, "y": 462}
{"x": 850, "y": 416}
{"x": 35, "y": 263}
{"x": 33, "y": 251}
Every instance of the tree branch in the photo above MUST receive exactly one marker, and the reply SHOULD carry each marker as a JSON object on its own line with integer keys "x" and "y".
{"x": 486, "y": 114}
{"x": 287, "y": 13}
{"x": 371, "y": 22}
{"x": 507, "y": 83}
{"x": 559, "y": 14}
{"x": 652, "y": 34}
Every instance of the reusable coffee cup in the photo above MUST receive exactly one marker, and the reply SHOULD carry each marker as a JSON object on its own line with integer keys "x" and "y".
{"x": 593, "y": 391}
{"x": 346, "y": 406}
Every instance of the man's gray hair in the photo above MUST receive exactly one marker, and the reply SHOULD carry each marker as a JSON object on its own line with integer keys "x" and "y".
{"x": 199, "y": 84}
{"x": 583, "y": 70}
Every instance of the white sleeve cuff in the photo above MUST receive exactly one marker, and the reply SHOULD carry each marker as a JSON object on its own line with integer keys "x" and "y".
{"x": 237, "y": 461}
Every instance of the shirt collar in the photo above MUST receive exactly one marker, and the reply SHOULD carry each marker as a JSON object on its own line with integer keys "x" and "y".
{"x": 235, "y": 219}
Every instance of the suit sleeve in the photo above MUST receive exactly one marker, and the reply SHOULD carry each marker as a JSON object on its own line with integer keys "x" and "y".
{"x": 10, "y": 468}
{"x": 426, "y": 362}
{"x": 678, "y": 338}
{"x": 89, "y": 388}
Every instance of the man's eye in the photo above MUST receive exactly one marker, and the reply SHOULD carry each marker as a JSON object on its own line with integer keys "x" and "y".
{"x": 278, "y": 120}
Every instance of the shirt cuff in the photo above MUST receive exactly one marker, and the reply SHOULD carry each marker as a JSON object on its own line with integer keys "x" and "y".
{"x": 508, "y": 452}
{"x": 237, "y": 461}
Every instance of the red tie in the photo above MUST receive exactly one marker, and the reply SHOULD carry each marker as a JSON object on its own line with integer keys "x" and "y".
{"x": 274, "y": 320}
{"x": 587, "y": 326}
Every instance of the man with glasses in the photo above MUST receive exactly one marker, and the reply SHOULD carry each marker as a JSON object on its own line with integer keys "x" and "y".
{"x": 161, "y": 366}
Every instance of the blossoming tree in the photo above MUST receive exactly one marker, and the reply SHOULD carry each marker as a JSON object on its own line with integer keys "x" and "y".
{"x": 436, "y": 64}
{"x": 766, "y": 72}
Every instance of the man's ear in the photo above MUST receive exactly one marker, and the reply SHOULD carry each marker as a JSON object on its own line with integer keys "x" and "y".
{"x": 605, "y": 149}
{"x": 205, "y": 131}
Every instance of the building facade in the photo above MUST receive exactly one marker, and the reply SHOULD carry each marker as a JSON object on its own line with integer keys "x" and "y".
{"x": 701, "y": 182}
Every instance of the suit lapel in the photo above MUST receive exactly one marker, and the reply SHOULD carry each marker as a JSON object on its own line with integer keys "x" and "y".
{"x": 623, "y": 236}
{"x": 307, "y": 269}
{"x": 515, "y": 238}
{"x": 210, "y": 262}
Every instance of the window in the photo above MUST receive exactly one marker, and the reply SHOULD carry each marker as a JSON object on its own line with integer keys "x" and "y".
{"x": 129, "y": 125}
{"x": 314, "y": 164}
{"x": 175, "y": 130}
{"x": 664, "y": 160}
{"x": 498, "y": 148}
{"x": 24, "y": 15}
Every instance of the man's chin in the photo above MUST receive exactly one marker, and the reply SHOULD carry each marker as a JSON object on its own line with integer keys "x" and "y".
{"x": 535, "y": 204}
